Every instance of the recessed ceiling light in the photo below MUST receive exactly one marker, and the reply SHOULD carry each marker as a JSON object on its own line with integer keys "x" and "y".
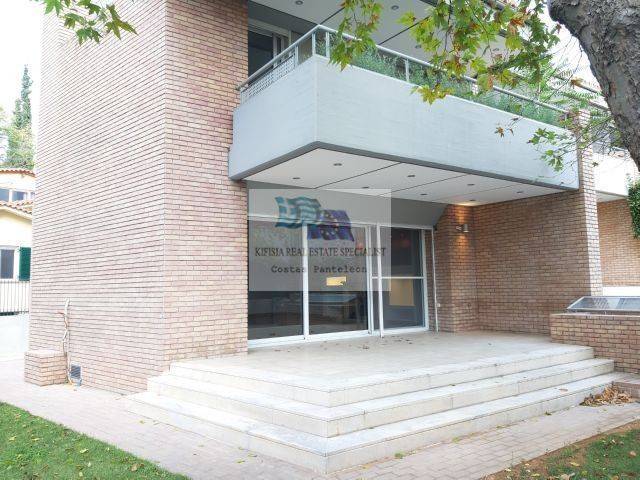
{"x": 411, "y": 176}
{"x": 299, "y": 2}
{"x": 394, "y": 7}
{"x": 296, "y": 178}
{"x": 337, "y": 164}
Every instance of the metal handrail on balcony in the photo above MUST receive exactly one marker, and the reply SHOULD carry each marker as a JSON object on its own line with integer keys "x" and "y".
{"x": 320, "y": 36}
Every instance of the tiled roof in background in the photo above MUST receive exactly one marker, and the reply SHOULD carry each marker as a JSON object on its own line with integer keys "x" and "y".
{"x": 22, "y": 206}
{"x": 23, "y": 171}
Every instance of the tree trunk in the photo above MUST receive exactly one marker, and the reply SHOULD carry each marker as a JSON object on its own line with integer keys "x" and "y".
{"x": 609, "y": 32}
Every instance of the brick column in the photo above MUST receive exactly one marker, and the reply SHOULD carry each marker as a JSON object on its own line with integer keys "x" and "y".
{"x": 589, "y": 212}
{"x": 206, "y": 251}
{"x": 456, "y": 270}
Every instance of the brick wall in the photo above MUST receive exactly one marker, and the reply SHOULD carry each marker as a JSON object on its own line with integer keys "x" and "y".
{"x": 520, "y": 261}
{"x": 533, "y": 257}
{"x": 131, "y": 221}
{"x": 619, "y": 249}
{"x": 616, "y": 337}
{"x": 45, "y": 367}
{"x": 456, "y": 270}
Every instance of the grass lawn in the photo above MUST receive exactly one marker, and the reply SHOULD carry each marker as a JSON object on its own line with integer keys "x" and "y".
{"x": 32, "y": 448}
{"x": 611, "y": 456}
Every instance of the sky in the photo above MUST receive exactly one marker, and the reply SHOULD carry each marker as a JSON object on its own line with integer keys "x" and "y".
{"x": 20, "y": 32}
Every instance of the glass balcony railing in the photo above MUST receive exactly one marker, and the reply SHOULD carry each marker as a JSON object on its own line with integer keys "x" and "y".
{"x": 319, "y": 41}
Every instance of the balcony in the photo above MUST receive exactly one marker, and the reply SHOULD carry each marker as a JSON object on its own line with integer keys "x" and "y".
{"x": 613, "y": 172}
{"x": 301, "y": 117}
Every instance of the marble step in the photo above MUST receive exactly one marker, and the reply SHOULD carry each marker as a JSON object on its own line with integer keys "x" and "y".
{"x": 324, "y": 454}
{"x": 332, "y": 421}
{"x": 333, "y": 392}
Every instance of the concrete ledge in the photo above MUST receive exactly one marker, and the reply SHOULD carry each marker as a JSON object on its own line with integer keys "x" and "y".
{"x": 45, "y": 367}
{"x": 631, "y": 385}
{"x": 616, "y": 337}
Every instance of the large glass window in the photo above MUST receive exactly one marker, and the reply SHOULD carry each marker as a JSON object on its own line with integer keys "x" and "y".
{"x": 6, "y": 263}
{"x": 4, "y": 194}
{"x": 316, "y": 278}
{"x": 275, "y": 280}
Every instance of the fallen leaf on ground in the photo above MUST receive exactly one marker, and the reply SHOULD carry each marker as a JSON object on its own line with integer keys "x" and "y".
{"x": 610, "y": 396}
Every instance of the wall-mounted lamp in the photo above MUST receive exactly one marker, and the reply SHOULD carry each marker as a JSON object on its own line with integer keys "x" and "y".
{"x": 464, "y": 228}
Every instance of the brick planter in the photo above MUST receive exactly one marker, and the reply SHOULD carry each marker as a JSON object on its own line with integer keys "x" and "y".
{"x": 45, "y": 367}
{"x": 612, "y": 336}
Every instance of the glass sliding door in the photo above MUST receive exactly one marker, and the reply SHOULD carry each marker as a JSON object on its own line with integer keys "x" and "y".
{"x": 264, "y": 45}
{"x": 275, "y": 281}
{"x": 338, "y": 296}
{"x": 326, "y": 279}
{"x": 400, "y": 286}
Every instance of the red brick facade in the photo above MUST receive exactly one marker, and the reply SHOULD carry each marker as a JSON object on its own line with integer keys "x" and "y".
{"x": 612, "y": 336}
{"x": 619, "y": 249}
{"x": 136, "y": 221}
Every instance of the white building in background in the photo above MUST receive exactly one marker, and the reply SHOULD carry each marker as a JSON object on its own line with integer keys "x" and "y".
{"x": 17, "y": 188}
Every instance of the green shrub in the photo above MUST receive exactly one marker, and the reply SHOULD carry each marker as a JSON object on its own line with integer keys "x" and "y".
{"x": 419, "y": 74}
{"x": 634, "y": 206}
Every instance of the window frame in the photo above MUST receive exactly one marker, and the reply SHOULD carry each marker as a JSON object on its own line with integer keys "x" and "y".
{"x": 27, "y": 195}
{"x": 16, "y": 258}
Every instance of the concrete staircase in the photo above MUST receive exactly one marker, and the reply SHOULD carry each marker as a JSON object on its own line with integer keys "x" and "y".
{"x": 328, "y": 426}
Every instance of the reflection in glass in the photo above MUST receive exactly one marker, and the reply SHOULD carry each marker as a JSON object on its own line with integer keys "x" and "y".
{"x": 402, "y": 279}
{"x": 337, "y": 279}
{"x": 275, "y": 280}
{"x": 403, "y": 246}
{"x": 402, "y": 304}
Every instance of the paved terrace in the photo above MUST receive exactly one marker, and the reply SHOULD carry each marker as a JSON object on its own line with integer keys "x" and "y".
{"x": 337, "y": 362}
{"x": 103, "y": 415}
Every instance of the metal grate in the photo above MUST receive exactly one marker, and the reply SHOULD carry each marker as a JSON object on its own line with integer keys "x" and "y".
{"x": 268, "y": 78}
{"x": 75, "y": 373}
{"x": 606, "y": 305}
